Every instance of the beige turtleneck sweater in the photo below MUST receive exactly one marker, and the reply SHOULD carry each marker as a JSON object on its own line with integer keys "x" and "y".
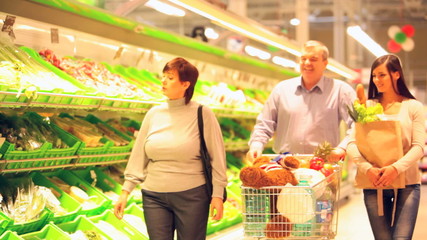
{"x": 164, "y": 157}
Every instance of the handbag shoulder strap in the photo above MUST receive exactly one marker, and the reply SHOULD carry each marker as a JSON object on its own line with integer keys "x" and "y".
{"x": 200, "y": 123}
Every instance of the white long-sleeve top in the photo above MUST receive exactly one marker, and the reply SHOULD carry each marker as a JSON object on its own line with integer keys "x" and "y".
{"x": 165, "y": 155}
{"x": 411, "y": 117}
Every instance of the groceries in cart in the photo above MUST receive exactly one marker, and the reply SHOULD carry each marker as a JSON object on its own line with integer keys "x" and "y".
{"x": 290, "y": 196}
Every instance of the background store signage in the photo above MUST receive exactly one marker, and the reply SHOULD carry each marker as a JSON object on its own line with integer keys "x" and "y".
{"x": 235, "y": 44}
{"x": 8, "y": 25}
{"x": 54, "y": 35}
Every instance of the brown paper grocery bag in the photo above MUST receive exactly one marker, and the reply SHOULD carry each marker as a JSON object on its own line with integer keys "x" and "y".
{"x": 380, "y": 143}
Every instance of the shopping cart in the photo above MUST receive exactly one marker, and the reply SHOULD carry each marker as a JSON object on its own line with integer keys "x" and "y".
{"x": 292, "y": 212}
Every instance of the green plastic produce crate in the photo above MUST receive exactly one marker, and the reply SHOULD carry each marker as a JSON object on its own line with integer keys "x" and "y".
{"x": 66, "y": 99}
{"x": 126, "y": 149}
{"x": 128, "y": 75}
{"x": 66, "y": 154}
{"x": 132, "y": 123}
{"x": 82, "y": 223}
{"x": 136, "y": 211}
{"x": 18, "y": 159}
{"x": 4, "y": 223}
{"x": 48, "y": 232}
{"x": 9, "y": 235}
{"x": 87, "y": 155}
{"x": 13, "y": 96}
{"x": 69, "y": 204}
{"x": 30, "y": 226}
{"x": 98, "y": 178}
{"x": 123, "y": 226}
{"x": 101, "y": 202}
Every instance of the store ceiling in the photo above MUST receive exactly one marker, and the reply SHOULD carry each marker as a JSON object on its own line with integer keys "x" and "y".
{"x": 375, "y": 17}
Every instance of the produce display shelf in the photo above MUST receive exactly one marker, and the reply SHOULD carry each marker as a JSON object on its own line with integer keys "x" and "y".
{"x": 71, "y": 206}
{"x": 76, "y": 163}
{"x": 100, "y": 163}
{"x": 9, "y": 235}
{"x": 49, "y": 231}
{"x": 99, "y": 201}
{"x": 133, "y": 106}
{"x": 137, "y": 106}
{"x": 123, "y": 226}
{"x": 96, "y": 177}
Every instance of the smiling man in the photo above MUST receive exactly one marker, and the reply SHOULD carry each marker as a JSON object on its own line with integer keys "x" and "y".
{"x": 305, "y": 111}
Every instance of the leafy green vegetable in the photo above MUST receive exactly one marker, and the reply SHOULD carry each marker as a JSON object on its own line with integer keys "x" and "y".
{"x": 361, "y": 113}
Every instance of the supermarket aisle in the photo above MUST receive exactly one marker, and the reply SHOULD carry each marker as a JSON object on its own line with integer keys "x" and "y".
{"x": 353, "y": 223}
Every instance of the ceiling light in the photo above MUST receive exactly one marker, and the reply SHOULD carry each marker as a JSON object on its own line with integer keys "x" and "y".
{"x": 165, "y": 8}
{"x": 211, "y": 34}
{"x": 363, "y": 38}
{"x": 249, "y": 28}
{"x": 255, "y": 52}
{"x": 284, "y": 62}
{"x": 294, "y": 21}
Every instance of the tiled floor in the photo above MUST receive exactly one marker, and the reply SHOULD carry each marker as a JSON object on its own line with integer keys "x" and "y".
{"x": 353, "y": 223}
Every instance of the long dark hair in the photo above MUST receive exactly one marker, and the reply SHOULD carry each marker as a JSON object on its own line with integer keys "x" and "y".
{"x": 392, "y": 64}
{"x": 187, "y": 72}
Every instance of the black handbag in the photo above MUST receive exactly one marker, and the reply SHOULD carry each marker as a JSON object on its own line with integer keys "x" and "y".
{"x": 204, "y": 156}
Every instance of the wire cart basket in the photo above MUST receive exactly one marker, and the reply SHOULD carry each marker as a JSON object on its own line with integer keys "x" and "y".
{"x": 292, "y": 212}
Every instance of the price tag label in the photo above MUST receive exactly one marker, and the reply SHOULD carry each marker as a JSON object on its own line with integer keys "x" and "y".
{"x": 8, "y": 25}
{"x": 54, "y": 35}
{"x": 118, "y": 53}
{"x": 140, "y": 58}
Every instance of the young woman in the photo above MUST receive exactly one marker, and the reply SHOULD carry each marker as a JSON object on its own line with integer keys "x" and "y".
{"x": 387, "y": 86}
{"x": 165, "y": 161}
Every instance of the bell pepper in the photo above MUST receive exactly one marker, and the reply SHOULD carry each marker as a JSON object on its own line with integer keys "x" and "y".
{"x": 317, "y": 163}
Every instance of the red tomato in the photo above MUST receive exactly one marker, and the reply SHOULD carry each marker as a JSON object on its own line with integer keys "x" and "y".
{"x": 317, "y": 163}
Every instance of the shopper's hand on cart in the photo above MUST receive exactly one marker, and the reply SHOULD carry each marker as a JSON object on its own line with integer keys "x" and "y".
{"x": 252, "y": 154}
{"x": 217, "y": 208}
{"x": 120, "y": 205}
{"x": 337, "y": 154}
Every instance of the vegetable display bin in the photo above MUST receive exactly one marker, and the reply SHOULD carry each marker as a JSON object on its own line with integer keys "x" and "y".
{"x": 96, "y": 177}
{"x": 126, "y": 149}
{"x": 65, "y": 155}
{"x": 30, "y": 226}
{"x": 100, "y": 201}
{"x": 48, "y": 232}
{"x": 18, "y": 159}
{"x": 71, "y": 205}
{"x": 4, "y": 223}
{"x": 9, "y": 235}
{"x": 86, "y": 154}
{"x": 136, "y": 211}
{"x": 82, "y": 223}
{"x": 123, "y": 226}
{"x": 66, "y": 99}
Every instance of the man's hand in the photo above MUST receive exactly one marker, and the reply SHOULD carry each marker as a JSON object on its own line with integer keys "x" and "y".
{"x": 217, "y": 208}
{"x": 336, "y": 155}
{"x": 252, "y": 154}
